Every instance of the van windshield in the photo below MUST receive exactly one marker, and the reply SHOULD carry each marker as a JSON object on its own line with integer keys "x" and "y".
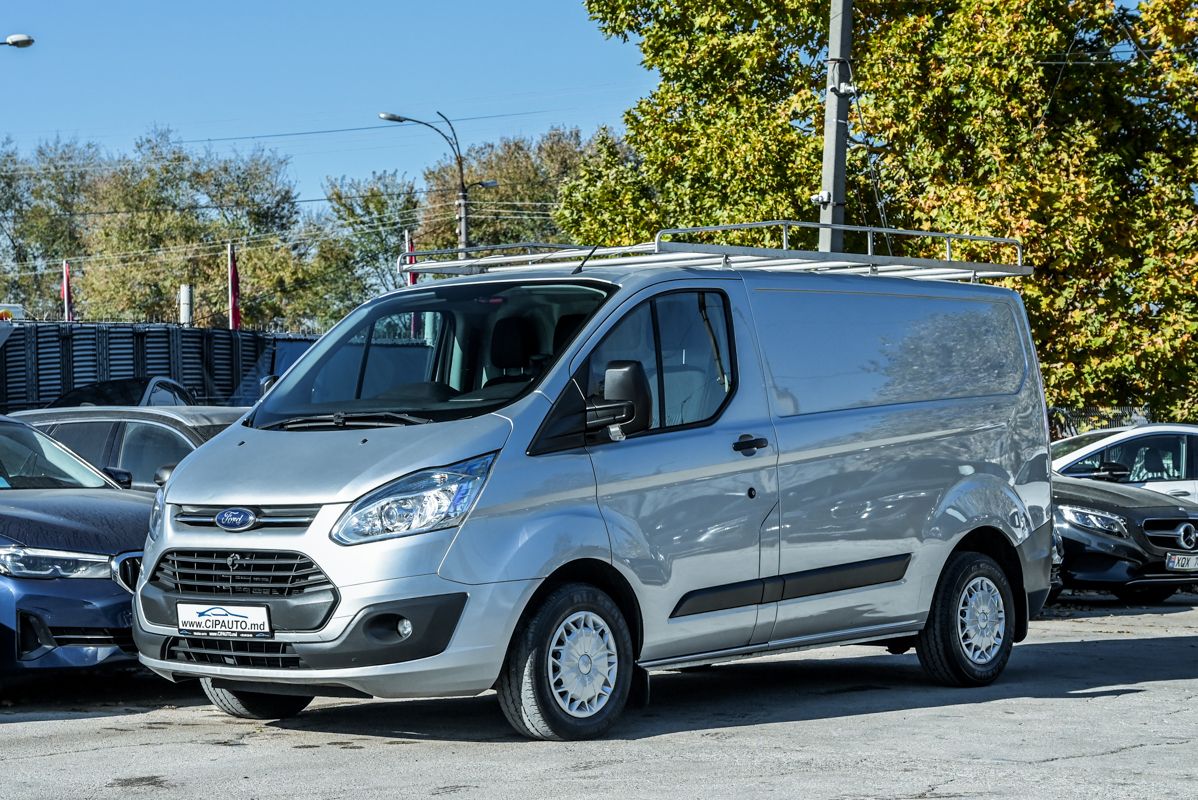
{"x": 440, "y": 353}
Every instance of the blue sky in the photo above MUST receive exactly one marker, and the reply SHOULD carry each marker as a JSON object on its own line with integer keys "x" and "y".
{"x": 108, "y": 71}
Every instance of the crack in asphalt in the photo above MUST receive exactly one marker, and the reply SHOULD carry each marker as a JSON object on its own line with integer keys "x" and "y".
{"x": 1112, "y": 752}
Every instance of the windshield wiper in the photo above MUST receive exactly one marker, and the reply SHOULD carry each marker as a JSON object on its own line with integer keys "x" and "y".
{"x": 341, "y": 419}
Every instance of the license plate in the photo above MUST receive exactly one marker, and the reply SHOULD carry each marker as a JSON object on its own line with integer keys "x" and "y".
{"x": 1182, "y": 562}
{"x": 229, "y": 622}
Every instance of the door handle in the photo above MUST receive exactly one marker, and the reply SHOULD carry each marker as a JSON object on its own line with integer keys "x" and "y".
{"x": 748, "y": 444}
{"x": 1179, "y": 493}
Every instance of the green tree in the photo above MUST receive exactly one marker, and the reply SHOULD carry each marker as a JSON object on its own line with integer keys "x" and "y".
{"x": 519, "y": 208}
{"x": 1068, "y": 123}
{"x": 372, "y": 215}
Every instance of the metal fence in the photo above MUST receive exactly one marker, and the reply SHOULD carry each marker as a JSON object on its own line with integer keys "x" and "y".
{"x": 41, "y": 360}
{"x": 1072, "y": 421}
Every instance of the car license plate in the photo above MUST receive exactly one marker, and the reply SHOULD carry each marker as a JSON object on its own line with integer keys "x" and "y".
{"x": 230, "y": 622}
{"x": 1182, "y": 562}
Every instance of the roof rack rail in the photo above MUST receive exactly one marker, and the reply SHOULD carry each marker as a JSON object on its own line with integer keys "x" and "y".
{"x": 668, "y": 248}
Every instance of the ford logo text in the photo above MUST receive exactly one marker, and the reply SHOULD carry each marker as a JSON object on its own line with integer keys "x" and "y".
{"x": 236, "y": 519}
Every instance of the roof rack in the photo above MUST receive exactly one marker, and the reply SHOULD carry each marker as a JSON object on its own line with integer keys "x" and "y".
{"x": 671, "y": 247}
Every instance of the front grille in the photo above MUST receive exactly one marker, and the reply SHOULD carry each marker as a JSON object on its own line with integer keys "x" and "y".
{"x": 1163, "y": 532}
{"x": 126, "y": 569}
{"x": 233, "y": 653}
{"x": 94, "y": 637}
{"x": 267, "y": 516}
{"x": 259, "y": 573}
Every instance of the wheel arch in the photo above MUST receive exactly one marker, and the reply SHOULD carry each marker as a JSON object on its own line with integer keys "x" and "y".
{"x": 994, "y": 543}
{"x": 601, "y": 575}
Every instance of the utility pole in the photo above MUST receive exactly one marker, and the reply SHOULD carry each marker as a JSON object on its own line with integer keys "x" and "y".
{"x": 839, "y": 98}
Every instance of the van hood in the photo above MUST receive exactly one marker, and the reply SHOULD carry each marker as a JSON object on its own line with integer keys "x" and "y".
{"x": 103, "y": 521}
{"x": 249, "y": 466}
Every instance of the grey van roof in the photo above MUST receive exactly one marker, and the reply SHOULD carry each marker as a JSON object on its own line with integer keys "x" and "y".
{"x": 670, "y": 251}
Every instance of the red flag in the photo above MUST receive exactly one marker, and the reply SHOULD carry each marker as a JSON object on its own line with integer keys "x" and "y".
{"x": 68, "y": 311}
{"x": 234, "y": 293}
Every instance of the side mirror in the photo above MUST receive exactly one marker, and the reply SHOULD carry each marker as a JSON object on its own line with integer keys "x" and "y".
{"x": 627, "y": 400}
{"x": 163, "y": 474}
{"x": 121, "y": 477}
{"x": 1107, "y": 471}
{"x": 265, "y": 382}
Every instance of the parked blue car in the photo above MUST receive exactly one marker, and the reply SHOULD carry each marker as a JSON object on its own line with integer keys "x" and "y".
{"x": 70, "y": 542}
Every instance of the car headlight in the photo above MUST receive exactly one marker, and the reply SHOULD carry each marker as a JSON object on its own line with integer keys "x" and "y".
{"x": 423, "y": 501}
{"x": 157, "y": 517}
{"x": 1101, "y": 521}
{"x": 30, "y": 562}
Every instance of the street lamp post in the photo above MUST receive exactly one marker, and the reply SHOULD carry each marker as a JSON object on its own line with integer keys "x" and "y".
{"x": 451, "y": 139}
{"x": 18, "y": 40}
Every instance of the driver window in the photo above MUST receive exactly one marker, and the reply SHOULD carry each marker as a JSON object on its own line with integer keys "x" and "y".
{"x": 630, "y": 340}
{"x": 1151, "y": 458}
{"x": 682, "y": 340}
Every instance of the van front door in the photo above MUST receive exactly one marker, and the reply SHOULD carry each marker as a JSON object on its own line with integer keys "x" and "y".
{"x": 686, "y": 501}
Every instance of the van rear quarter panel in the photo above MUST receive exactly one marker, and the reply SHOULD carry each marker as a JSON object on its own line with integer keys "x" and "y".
{"x": 885, "y": 477}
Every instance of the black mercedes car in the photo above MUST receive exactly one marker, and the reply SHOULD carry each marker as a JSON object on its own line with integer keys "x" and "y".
{"x": 1138, "y": 544}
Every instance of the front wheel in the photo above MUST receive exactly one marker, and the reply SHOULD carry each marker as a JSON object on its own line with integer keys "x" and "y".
{"x": 1145, "y": 595}
{"x": 254, "y": 705}
{"x": 967, "y": 639}
{"x": 569, "y": 668}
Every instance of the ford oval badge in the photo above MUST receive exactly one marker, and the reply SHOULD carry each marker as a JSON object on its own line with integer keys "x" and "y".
{"x": 236, "y": 519}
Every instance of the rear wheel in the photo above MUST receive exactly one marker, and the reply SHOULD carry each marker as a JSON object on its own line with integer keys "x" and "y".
{"x": 255, "y": 705}
{"x": 569, "y": 668}
{"x": 1150, "y": 595}
{"x": 968, "y": 636}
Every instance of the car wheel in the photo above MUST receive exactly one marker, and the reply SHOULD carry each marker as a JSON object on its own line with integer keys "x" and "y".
{"x": 968, "y": 636}
{"x": 1145, "y": 595}
{"x": 255, "y": 705}
{"x": 569, "y": 668}
{"x": 1054, "y": 594}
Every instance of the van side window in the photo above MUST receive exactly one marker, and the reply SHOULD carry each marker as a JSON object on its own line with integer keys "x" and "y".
{"x": 683, "y": 342}
{"x": 832, "y": 351}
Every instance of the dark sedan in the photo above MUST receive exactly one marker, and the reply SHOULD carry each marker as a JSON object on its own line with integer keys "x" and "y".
{"x": 1138, "y": 544}
{"x": 66, "y": 531}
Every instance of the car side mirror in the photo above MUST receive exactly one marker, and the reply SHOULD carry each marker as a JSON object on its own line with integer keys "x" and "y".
{"x": 265, "y": 382}
{"x": 1107, "y": 471}
{"x": 121, "y": 477}
{"x": 627, "y": 402}
{"x": 163, "y": 474}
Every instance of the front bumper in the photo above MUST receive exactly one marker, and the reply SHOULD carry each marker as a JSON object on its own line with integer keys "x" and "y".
{"x": 457, "y": 646}
{"x": 1099, "y": 561}
{"x": 66, "y": 623}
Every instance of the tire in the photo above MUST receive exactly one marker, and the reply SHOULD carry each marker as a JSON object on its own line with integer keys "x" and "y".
{"x": 1145, "y": 595}
{"x": 1054, "y": 594}
{"x": 255, "y": 705}
{"x": 526, "y": 686}
{"x": 941, "y": 646}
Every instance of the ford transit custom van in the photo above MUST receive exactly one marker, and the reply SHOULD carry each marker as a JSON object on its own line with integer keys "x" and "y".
{"x": 552, "y": 479}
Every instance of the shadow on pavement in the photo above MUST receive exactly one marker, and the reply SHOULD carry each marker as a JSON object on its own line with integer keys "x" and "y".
{"x": 93, "y": 693}
{"x": 1081, "y": 604}
{"x": 796, "y": 689}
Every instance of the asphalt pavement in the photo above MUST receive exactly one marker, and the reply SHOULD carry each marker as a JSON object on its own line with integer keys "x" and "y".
{"x": 1098, "y": 702}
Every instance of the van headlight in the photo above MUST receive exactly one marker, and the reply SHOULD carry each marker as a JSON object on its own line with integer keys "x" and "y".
{"x": 1094, "y": 520}
{"x": 157, "y": 517}
{"x": 32, "y": 562}
{"x": 423, "y": 501}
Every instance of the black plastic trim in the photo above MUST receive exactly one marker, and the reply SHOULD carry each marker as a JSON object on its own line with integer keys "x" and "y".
{"x": 371, "y": 638}
{"x": 810, "y": 582}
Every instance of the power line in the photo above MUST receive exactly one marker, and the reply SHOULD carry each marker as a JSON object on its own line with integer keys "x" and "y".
{"x": 289, "y": 134}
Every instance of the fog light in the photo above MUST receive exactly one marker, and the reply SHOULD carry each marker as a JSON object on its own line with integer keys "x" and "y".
{"x": 404, "y": 627}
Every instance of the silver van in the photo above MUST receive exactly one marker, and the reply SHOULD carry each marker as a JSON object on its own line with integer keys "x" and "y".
{"x": 552, "y": 478}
